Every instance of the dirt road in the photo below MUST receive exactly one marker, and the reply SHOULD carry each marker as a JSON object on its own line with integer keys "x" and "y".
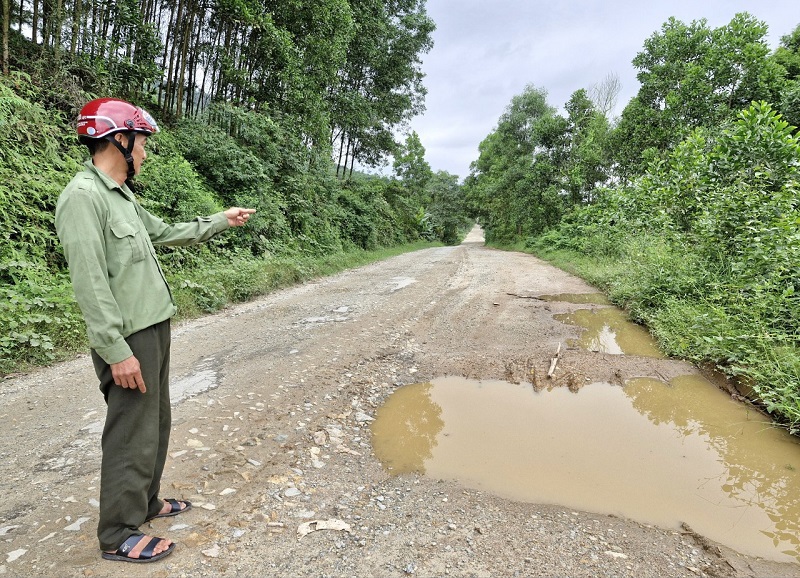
{"x": 272, "y": 404}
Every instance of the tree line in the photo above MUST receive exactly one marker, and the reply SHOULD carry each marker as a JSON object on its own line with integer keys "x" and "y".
{"x": 685, "y": 209}
{"x": 345, "y": 73}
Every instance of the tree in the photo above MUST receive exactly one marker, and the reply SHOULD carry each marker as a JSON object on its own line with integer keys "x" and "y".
{"x": 380, "y": 86}
{"x": 447, "y": 208}
{"x": 604, "y": 94}
{"x": 788, "y": 54}
{"x": 516, "y": 184}
{"x": 693, "y": 76}
{"x": 6, "y": 27}
{"x": 413, "y": 170}
{"x": 587, "y": 161}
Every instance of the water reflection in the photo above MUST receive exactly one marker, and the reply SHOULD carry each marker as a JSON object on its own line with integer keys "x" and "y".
{"x": 759, "y": 462}
{"x": 406, "y": 429}
{"x": 578, "y": 298}
{"x": 608, "y": 330}
{"x": 656, "y": 453}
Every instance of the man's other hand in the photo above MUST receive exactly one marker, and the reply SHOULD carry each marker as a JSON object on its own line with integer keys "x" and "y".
{"x": 128, "y": 374}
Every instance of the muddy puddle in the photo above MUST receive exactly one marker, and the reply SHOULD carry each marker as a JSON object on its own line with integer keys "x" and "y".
{"x": 658, "y": 453}
{"x": 608, "y": 330}
{"x": 578, "y": 298}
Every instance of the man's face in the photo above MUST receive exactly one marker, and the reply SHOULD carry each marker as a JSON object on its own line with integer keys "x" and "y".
{"x": 138, "y": 152}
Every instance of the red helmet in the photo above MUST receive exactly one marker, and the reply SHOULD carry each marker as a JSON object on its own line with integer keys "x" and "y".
{"x": 105, "y": 116}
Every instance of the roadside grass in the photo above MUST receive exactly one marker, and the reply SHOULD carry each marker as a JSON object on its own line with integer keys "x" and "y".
{"x": 201, "y": 281}
{"x": 691, "y": 309}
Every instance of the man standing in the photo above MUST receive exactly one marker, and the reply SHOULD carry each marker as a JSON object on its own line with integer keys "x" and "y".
{"x": 108, "y": 241}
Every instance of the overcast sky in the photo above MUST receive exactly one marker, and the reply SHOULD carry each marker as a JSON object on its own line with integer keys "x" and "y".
{"x": 486, "y": 51}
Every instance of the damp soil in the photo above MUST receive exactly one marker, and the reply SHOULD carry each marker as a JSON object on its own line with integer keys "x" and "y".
{"x": 272, "y": 440}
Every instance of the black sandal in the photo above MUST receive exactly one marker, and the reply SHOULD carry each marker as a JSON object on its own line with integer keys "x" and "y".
{"x": 175, "y": 509}
{"x": 146, "y": 554}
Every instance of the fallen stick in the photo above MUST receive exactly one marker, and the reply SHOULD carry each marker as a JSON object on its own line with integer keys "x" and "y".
{"x": 554, "y": 362}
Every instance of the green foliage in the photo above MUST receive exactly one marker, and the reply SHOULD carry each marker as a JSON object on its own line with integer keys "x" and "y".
{"x": 704, "y": 248}
{"x": 693, "y": 76}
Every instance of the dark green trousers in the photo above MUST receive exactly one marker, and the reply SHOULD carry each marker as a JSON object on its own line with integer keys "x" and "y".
{"x": 135, "y": 439}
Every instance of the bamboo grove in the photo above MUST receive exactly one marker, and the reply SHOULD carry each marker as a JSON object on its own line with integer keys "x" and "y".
{"x": 344, "y": 72}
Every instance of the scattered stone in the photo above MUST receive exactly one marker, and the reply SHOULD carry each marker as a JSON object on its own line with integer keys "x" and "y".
{"x": 212, "y": 552}
{"x": 192, "y": 443}
{"x": 362, "y": 417}
{"x": 6, "y": 529}
{"x": 616, "y": 554}
{"x": 292, "y": 492}
{"x": 227, "y": 492}
{"x": 207, "y": 506}
{"x": 178, "y": 454}
{"x": 76, "y": 526}
{"x": 315, "y": 525}
{"x": 255, "y": 463}
{"x": 15, "y": 554}
{"x": 176, "y": 527}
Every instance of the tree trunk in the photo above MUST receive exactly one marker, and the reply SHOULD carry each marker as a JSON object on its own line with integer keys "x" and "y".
{"x": 35, "y": 22}
{"x": 187, "y": 33}
{"x": 6, "y": 26}
{"x": 77, "y": 15}
{"x": 171, "y": 62}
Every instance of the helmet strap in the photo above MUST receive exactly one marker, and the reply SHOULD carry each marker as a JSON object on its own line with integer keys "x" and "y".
{"x": 127, "y": 152}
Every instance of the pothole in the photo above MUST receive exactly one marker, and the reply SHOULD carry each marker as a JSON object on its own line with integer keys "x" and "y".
{"x": 656, "y": 453}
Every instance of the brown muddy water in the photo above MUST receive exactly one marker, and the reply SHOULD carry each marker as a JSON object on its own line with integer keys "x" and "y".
{"x": 658, "y": 453}
{"x": 608, "y": 330}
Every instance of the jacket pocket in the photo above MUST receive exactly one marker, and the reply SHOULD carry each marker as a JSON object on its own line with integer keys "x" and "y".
{"x": 128, "y": 243}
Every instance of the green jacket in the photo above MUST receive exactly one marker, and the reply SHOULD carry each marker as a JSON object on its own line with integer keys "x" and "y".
{"x": 108, "y": 241}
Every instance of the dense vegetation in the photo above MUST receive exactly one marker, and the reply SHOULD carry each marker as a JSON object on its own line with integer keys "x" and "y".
{"x": 270, "y": 105}
{"x": 686, "y": 209}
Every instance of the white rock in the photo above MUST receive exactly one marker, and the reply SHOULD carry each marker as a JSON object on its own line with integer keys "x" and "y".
{"x": 208, "y": 506}
{"x": 76, "y": 526}
{"x": 15, "y": 554}
{"x": 362, "y": 417}
{"x": 227, "y": 492}
{"x": 192, "y": 443}
{"x": 212, "y": 552}
{"x": 616, "y": 554}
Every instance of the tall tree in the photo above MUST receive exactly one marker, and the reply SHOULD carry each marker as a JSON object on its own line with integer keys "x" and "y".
{"x": 587, "y": 160}
{"x": 517, "y": 180}
{"x": 6, "y": 28}
{"x": 690, "y": 76}
{"x": 413, "y": 170}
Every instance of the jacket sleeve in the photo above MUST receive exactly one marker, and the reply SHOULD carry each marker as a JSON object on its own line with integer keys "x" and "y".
{"x": 79, "y": 224}
{"x": 191, "y": 233}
